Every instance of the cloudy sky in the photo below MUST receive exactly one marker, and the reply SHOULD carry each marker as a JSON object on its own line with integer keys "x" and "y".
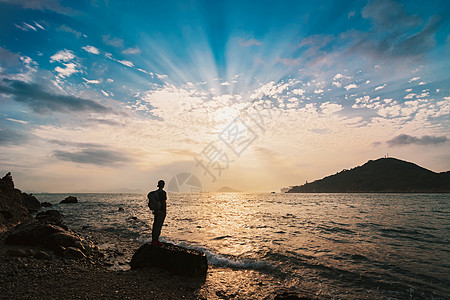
{"x": 255, "y": 95}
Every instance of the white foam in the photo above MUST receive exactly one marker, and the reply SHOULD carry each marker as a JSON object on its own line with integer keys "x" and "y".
{"x": 223, "y": 261}
{"x": 216, "y": 259}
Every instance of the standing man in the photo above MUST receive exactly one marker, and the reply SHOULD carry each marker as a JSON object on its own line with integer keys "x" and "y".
{"x": 159, "y": 213}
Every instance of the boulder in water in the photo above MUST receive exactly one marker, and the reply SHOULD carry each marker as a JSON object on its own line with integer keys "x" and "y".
{"x": 46, "y": 204}
{"x": 175, "y": 259}
{"x": 70, "y": 199}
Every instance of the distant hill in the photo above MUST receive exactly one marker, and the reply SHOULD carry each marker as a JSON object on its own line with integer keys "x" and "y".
{"x": 384, "y": 175}
{"x": 227, "y": 189}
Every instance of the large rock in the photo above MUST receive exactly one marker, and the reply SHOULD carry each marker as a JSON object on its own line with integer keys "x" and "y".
{"x": 175, "y": 259}
{"x": 12, "y": 210}
{"x": 32, "y": 234}
{"x": 51, "y": 216}
{"x": 70, "y": 199}
{"x": 31, "y": 203}
{"x": 49, "y": 231}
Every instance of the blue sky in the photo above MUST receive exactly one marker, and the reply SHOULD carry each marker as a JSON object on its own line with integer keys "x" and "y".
{"x": 104, "y": 95}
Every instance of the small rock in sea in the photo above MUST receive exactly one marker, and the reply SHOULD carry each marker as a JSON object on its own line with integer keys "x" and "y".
{"x": 41, "y": 255}
{"x": 46, "y": 204}
{"x": 121, "y": 209}
{"x": 70, "y": 199}
{"x": 72, "y": 252}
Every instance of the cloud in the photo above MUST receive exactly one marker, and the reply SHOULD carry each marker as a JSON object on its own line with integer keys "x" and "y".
{"x": 330, "y": 108}
{"x": 250, "y": 42}
{"x": 62, "y": 55}
{"x": 298, "y": 91}
{"x": 380, "y": 87}
{"x": 388, "y": 14}
{"x": 404, "y": 139}
{"x": 66, "y": 28}
{"x": 91, "y": 49}
{"x": 134, "y": 50}
{"x": 38, "y": 25}
{"x": 94, "y": 156}
{"x": 126, "y": 63}
{"x": 394, "y": 34}
{"x": 115, "y": 42}
{"x": 52, "y": 5}
{"x": 17, "y": 121}
{"x": 337, "y": 83}
{"x": 70, "y": 68}
{"x": 340, "y": 76}
{"x": 11, "y": 137}
{"x": 8, "y": 58}
{"x": 414, "y": 79}
{"x": 317, "y": 41}
{"x": 44, "y": 102}
{"x": 104, "y": 122}
{"x": 94, "y": 81}
{"x": 25, "y": 27}
{"x": 350, "y": 86}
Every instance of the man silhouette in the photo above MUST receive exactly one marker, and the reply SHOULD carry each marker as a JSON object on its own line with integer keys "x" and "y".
{"x": 159, "y": 214}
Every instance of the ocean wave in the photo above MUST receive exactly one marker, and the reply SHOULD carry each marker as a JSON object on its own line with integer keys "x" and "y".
{"x": 221, "y": 260}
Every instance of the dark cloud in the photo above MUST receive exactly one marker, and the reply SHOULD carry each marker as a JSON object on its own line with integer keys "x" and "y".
{"x": 75, "y": 144}
{"x": 395, "y": 33}
{"x": 52, "y": 5}
{"x": 387, "y": 14}
{"x": 44, "y": 102}
{"x": 11, "y": 137}
{"x": 105, "y": 122}
{"x": 404, "y": 139}
{"x": 94, "y": 156}
{"x": 7, "y": 58}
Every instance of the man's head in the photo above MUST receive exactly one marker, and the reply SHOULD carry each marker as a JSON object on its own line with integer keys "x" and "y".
{"x": 161, "y": 184}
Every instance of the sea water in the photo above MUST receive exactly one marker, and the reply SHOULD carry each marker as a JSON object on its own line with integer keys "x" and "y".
{"x": 329, "y": 244}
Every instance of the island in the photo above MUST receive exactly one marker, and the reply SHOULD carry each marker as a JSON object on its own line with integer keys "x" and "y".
{"x": 384, "y": 175}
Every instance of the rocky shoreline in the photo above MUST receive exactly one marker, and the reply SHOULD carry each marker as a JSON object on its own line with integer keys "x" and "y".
{"x": 24, "y": 276}
{"x": 41, "y": 258}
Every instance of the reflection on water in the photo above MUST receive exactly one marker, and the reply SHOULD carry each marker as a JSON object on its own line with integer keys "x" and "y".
{"x": 392, "y": 242}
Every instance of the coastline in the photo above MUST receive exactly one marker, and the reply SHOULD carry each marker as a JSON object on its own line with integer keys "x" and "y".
{"x": 108, "y": 276}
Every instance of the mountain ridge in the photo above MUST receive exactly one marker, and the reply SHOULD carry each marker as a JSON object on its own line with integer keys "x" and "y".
{"x": 383, "y": 175}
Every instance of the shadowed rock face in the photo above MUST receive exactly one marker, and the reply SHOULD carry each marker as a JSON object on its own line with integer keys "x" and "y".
{"x": 12, "y": 208}
{"x": 175, "y": 259}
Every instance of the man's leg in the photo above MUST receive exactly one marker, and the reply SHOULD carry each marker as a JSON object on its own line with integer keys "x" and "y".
{"x": 158, "y": 221}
